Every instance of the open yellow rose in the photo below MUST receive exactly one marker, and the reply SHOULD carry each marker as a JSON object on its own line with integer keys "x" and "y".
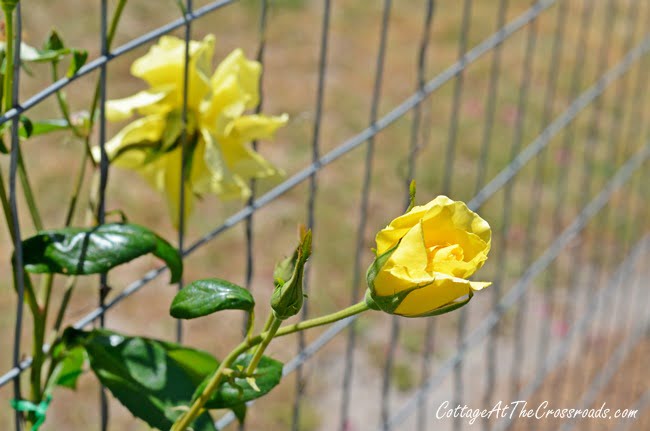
{"x": 424, "y": 258}
{"x": 220, "y": 159}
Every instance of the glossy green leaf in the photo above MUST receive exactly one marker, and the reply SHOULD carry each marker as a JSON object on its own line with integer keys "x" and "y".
{"x": 83, "y": 251}
{"x": 237, "y": 390}
{"x": 203, "y": 297}
{"x": 153, "y": 379}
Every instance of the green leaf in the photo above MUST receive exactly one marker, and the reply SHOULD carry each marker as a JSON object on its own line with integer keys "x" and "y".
{"x": 54, "y": 42}
{"x": 71, "y": 368}
{"x": 240, "y": 412}
{"x": 27, "y": 127}
{"x": 153, "y": 379}
{"x": 83, "y": 251}
{"x": 79, "y": 58}
{"x": 203, "y": 297}
{"x": 237, "y": 390}
{"x": 47, "y": 126}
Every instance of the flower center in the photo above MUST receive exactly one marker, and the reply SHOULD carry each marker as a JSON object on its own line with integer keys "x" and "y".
{"x": 445, "y": 252}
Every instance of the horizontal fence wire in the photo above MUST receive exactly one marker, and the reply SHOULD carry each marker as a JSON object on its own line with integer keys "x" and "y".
{"x": 391, "y": 117}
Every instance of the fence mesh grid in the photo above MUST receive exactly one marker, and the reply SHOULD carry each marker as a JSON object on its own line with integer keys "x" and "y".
{"x": 560, "y": 165}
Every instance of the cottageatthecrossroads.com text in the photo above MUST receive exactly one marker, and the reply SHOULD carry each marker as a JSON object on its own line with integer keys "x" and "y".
{"x": 521, "y": 410}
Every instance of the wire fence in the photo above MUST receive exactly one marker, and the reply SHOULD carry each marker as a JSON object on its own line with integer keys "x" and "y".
{"x": 539, "y": 123}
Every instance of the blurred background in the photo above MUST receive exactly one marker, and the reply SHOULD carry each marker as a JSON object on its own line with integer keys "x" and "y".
{"x": 533, "y": 112}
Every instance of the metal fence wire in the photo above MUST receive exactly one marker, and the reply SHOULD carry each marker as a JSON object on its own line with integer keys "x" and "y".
{"x": 532, "y": 112}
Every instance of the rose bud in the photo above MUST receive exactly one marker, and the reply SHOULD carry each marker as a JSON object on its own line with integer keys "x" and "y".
{"x": 287, "y": 297}
{"x": 424, "y": 258}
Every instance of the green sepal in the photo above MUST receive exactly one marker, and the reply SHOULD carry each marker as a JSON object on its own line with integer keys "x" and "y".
{"x": 54, "y": 42}
{"x": 203, "y": 297}
{"x": 78, "y": 59}
{"x": 376, "y": 266}
{"x": 236, "y": 389}
{"x": 153, "y": 379}
{"x": 70, "y": 368}
{"x": 83, "y": 251}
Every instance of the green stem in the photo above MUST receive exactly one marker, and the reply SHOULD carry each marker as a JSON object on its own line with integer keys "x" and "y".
{"x": 195, "y": 410}
{"x": 357, "y": 308}
{"x": 197, "y": 406}
{"x": 9, "y": 60}
{"x": 8, "y": 104}
{"x": 69, "y": 289}
{"x": 63, "y": 105}
{"x": 250, "y": 324}
{"x": 269, "y": 322}
{"x": 29, "y": 194}
{"x": 7, "y": 208}
{"x": 77, "y": 189}
{"x": 259, "y": 352}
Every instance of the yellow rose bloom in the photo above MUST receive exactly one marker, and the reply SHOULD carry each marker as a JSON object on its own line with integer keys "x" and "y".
{"x": 425, "y": 257}
{"x": 220, "y": 159}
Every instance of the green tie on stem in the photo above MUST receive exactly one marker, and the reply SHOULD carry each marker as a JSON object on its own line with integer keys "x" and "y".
{"x": 38, "y": 411}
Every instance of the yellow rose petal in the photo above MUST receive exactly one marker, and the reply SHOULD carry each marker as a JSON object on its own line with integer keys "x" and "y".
{"x": 441, "y": 291}
{"x": 122, "y": 109}
{"x": 147, "y": 130}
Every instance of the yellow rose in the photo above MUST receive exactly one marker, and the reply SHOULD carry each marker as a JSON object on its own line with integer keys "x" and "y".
{"x": 220, "y": 159}
{"x": 424, "y": 258}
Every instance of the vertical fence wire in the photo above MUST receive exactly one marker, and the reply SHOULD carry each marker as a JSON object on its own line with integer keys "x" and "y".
{"x": 103, "y": 181}
{"x": 605, "y": 256}
{"x": 348, "y": 373}
{"x": 18, "y": 270}
{"x": 580, "y": 325}
{"x": 561, "y": 191}
{"x": 635, "y": 208}
{"x": 540, "y": 164}
{"x": 425, "y": 366}
{"x": 587, "y": 178}
{"x": 457, "y": 394}
{"x": 249, "y": 270}
{"x": 522, "y": 105}
{"x": 311, "y": 201}
{"x": 186, "y": 9}
{"x": 414, "y": 148}
{"x": 486, "y": 141}
{"x": 614, "y": 360}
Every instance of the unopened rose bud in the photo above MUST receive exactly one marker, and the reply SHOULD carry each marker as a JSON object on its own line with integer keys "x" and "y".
{"x": 287, "y": 297}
